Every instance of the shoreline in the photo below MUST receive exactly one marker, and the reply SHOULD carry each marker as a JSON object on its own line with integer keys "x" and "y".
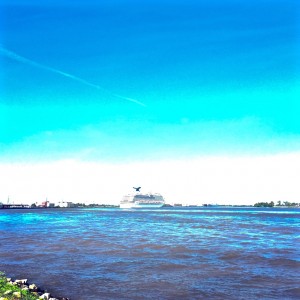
{"x": 18, "y": 207}
{"x": 20, "y": 289}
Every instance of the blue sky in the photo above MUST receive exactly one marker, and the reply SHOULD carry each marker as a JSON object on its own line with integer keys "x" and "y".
{"x": 214, "y": 78}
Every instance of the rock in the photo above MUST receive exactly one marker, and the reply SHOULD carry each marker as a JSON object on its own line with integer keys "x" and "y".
{"x": 50, "y": 299}
{"x": 21, "y": 281}
{"x": 3, "y": 298}
{"x": 25, "y": 288}
{"x": 33, "y": 287}
{"x": 17, "y": 294}
{"x": 8, "y": 279}
{"x": 45, "y": 296}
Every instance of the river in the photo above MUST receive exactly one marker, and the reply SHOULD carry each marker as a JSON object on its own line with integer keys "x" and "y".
{"x": 170, "y": 253}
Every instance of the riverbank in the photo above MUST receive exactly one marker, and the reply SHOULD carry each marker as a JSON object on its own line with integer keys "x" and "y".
{"x": 21, "y": 289}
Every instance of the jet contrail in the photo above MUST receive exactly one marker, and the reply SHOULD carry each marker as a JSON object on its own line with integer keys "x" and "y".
{"x": 30, "y": 62}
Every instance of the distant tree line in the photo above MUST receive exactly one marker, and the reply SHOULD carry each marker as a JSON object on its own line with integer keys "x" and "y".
{"x": 95, "y": 205}
{"x": 264, "y": 204}
{"x": 287, "y": 203}
{"x": 81, "y": 205}
{"x": 279, "y": 203}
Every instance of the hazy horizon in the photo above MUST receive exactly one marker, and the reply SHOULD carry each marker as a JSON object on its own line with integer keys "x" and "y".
{"x": 196, "y": 100}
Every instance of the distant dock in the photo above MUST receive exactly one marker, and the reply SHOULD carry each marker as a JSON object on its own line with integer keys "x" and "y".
{"x": 13, "y": 206}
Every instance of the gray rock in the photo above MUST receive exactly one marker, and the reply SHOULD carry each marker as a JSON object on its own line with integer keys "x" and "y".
{"x": 21, "y": 281}
{"x": 17, "y": 294}
{"x": 45, "y": 296}
{"x": 33, "y": 287}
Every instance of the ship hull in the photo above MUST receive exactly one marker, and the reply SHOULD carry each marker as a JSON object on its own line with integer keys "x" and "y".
{"x": 138, "y": 205}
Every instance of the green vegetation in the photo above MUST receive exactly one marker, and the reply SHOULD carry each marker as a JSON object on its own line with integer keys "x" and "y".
{"x": 264, "y": 204}
{"x": 278, "y": 204}
{"x": 287, "y": 204}
{"x": 12, "y": 291}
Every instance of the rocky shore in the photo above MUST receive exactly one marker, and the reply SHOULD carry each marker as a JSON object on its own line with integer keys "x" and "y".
{"x": 21, "y": 289}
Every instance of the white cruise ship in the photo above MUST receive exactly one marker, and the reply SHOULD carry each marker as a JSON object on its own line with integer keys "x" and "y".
{"x": 140, "y": 200}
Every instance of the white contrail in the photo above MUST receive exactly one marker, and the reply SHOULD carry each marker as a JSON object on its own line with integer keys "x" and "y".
{"x": 30, "y": 62}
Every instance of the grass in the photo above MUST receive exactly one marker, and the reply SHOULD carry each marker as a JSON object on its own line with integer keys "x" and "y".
{"x": 8, "y": 286}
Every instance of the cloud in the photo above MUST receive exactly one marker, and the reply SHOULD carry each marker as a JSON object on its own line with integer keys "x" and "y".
{"x": 204, "y": 179}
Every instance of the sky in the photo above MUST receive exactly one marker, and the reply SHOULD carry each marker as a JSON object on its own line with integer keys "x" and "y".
{"x": 196, "y": 100}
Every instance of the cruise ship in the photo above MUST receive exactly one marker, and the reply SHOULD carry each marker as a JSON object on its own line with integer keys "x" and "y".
{"x": 141, "y": 200}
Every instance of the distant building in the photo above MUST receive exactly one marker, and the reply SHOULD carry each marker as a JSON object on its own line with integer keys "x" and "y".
{"x": 44, "y": 204}
{"x": 65, "y": 204}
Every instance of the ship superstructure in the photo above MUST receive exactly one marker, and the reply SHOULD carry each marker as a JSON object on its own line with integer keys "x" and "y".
{"x": 142, "y": 200}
